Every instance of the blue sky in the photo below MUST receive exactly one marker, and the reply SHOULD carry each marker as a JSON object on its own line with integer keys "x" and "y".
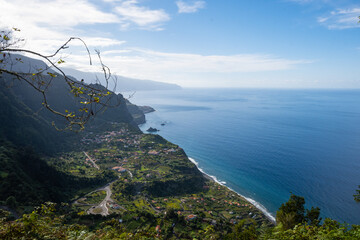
{"x": 203, "y": 43}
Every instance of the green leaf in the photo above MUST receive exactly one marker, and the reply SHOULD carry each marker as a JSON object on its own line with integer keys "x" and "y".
{"x": 51, "y": 74}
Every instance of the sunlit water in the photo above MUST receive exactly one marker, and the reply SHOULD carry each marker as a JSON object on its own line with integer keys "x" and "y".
{"x": 265, "y": 144}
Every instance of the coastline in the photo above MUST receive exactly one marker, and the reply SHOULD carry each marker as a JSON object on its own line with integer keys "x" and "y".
{"x": 260, "y": 207}
{"x": 270, "y": 183}
{"x": 257, "y": 205}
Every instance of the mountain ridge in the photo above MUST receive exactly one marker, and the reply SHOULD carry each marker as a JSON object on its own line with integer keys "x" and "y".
{"x": 124, "y": 84}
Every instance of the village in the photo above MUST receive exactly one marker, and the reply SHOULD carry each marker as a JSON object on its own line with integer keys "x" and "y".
{"x": 154, "y": 176}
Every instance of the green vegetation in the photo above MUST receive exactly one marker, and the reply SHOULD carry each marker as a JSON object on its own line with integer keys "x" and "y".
{"x": 95, "y": 197}
{"x": 292, "y": 213}
{"x": 31, "y": 181}
{"x": 157, "y": 179}
{"x": 357, "y": 195}
{"x": 155, "y": 186}
{"x": 156, "y": 192}
{"x": 52, "y": 221}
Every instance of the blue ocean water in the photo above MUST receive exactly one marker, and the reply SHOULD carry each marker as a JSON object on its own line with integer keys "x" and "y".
{"x": 265, "y": 144}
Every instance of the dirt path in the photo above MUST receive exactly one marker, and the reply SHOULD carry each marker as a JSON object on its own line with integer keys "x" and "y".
{"x": 91, "y": 160}
{"x": 131, "y": 175}
{"x": 153, "y": 208}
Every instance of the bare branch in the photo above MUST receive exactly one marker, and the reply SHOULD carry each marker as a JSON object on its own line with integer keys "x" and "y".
{"x": 92, "y": 98}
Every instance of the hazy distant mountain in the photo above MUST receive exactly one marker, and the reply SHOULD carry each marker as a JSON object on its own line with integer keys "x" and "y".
{"x": 24, "y": 64}
{"x": 124, "y": 84}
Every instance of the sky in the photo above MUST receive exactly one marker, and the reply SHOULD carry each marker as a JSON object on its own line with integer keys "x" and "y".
{"x": 201, "y": 43}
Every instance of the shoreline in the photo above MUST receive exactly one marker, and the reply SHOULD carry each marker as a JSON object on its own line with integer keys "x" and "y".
{"x": 260, "y": 207}
{"x": 257, "y": 205}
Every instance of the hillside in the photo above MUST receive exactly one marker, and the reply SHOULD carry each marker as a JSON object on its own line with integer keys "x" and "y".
{"x": 152, "y": 192}
{"x": 30, "y": 181}
{"x": 27, "y": 135}
{"x": 152, "y": 187}
{"x": 138, "y": 112}
{"x": 20, "y": 125}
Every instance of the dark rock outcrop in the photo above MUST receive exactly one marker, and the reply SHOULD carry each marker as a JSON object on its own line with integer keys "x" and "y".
{"x": 151, "y": 129}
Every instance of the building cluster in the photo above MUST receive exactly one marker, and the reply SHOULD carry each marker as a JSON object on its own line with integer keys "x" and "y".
{"x": 131, "y": 139}
{"x": 119, "y": 169}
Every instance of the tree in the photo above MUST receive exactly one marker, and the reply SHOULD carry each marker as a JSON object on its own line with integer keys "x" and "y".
{"x": 11, "y": 202}
{"x": 357, "y": 195}
{"x": 312, "y": 216}
{"x": 91, "y": 98}
{"x": 292, "y": 213}
{"x": 244, "y": 231}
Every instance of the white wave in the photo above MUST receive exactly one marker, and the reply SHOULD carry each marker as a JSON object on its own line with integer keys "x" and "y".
{"x": 250, "y": 200}
{"x": 210, "y": 176}
{"x": 260, "y": 207}
{"x": 193, "y": 161}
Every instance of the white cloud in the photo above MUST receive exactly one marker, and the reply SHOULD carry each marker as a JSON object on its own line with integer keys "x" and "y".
{"x": 186, "y": 69}
{"x": 46, "y": 25}
{"x": 213, "y": 63}
{"x": 58, "y": 13}
{"x": 342, "y": 19}
{"x": 114, "y": 52}
{"x": 100, "y": 42}
{"x": 131, "y": 13}
{"x": 322, "y": 19}
{"x": 184, "y": 7}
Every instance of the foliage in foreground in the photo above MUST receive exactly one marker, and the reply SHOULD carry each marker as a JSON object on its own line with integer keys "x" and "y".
{"x": 328, "y": 231}
{"x": 357, "y": 195}
{"x": 52, "y": 221}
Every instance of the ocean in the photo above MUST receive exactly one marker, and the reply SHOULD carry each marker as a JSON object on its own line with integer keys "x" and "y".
{"x": 266, "y": 144}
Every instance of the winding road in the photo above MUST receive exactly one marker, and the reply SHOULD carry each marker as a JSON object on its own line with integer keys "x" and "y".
{"x": 102, "y": 206}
